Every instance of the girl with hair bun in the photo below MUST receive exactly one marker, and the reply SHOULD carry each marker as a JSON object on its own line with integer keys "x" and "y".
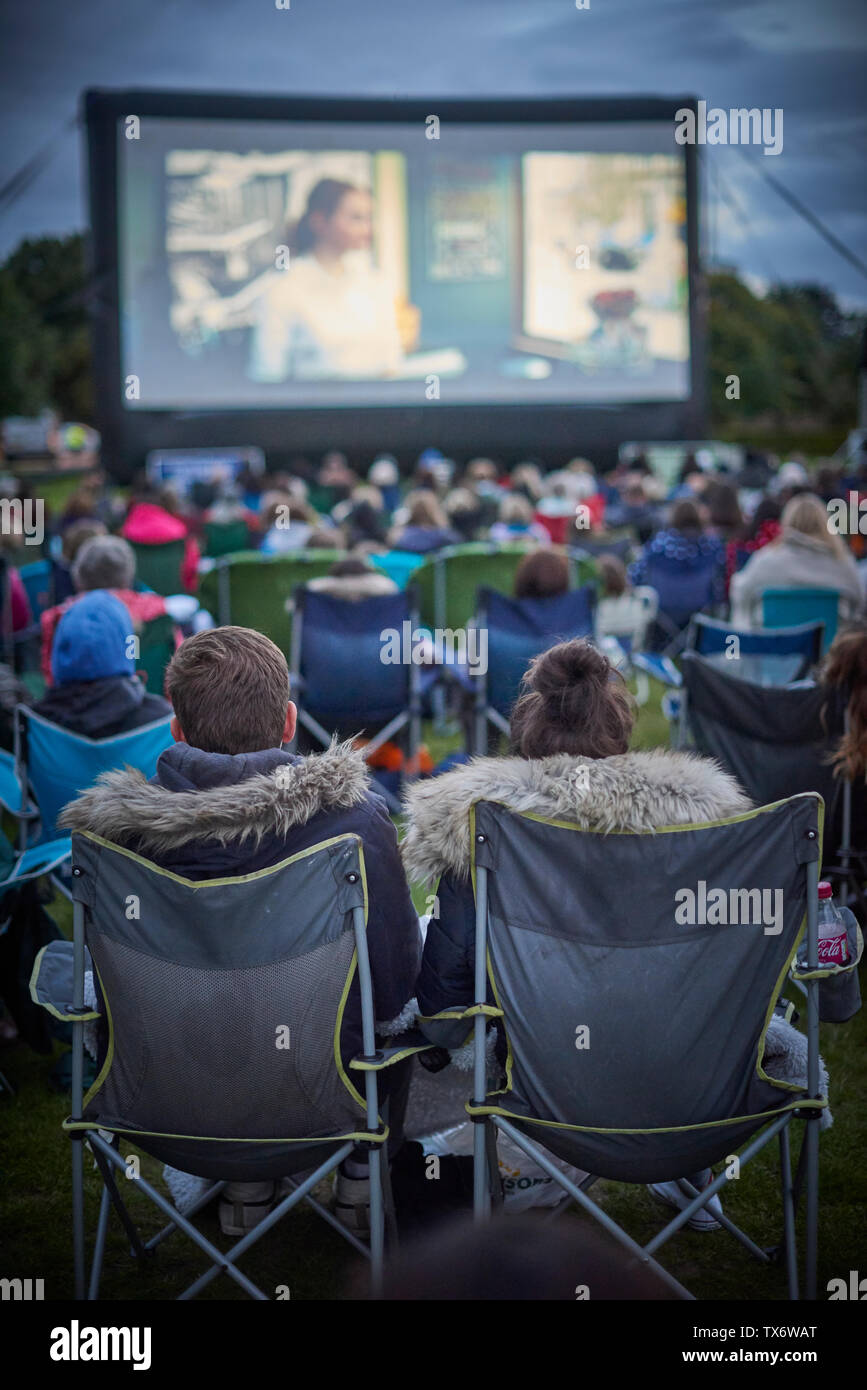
{"x": 570, "y": 761}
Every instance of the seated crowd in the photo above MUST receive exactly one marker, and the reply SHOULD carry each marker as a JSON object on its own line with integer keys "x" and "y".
{"x": 227, "y": 799}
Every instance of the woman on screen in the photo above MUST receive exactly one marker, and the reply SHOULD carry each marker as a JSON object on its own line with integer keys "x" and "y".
{"x": 330, "y": 314}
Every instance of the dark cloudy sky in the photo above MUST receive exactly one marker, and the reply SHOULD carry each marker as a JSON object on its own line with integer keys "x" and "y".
{"x": 806, "y": 56}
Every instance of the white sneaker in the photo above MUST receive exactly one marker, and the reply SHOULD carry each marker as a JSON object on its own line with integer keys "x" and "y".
{"x": 672, "y": 1195}
{"x": 352, "y": 1202}
{"x": 243, "y": 1205}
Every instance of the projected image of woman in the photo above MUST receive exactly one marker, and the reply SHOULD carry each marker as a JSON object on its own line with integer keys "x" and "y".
{"x": 329, "y": 313}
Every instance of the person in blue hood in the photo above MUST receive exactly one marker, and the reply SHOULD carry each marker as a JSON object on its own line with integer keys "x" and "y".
{"x": 96, "y": 691}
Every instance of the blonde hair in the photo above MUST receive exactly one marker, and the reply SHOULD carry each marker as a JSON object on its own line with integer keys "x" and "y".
{"x": 515, "y": 508}
{"x": 809, "y": 517}
{"x": 425, "y": 510}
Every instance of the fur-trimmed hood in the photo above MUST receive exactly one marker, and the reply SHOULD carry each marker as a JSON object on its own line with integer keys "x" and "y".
{"x": 639, "y": 791}
{"x": 231, "y": 800}
{"x": 353, "y": 587}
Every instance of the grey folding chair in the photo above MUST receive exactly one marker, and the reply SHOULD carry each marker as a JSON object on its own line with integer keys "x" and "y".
{"x": 224, "y": 1002}
{"x": 635, "y": 1030}
{"x": 778, "y": 741}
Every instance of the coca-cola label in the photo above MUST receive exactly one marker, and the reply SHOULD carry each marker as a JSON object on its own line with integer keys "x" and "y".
{"x": 833, "y": 950}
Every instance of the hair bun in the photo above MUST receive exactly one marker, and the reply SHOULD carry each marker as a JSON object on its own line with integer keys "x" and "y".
{"x": 566, "y": 665}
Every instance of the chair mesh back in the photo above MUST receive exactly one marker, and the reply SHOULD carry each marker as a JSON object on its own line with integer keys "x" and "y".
{"x": 584, "y": 934}
{"x": 204, "y": 983}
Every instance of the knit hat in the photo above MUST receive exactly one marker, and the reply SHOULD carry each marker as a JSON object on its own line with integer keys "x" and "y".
{"x": 92, "y": 639}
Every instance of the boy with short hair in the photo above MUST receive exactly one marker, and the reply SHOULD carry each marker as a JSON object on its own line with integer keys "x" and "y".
{"x": 227, "y": 800}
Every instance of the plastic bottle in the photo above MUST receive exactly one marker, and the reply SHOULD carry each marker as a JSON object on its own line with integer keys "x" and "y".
{"x": 833, "y": 937}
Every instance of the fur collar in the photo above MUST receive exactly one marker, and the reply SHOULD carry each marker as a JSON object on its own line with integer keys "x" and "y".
{"x": 354, "y": 587}
{"x": 122, "y": 806}
{"x": 644, "y": 790}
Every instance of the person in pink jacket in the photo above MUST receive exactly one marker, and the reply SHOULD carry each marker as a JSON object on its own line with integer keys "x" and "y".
{"x": 19, "y": 604}
{"x": 149, "y": 522}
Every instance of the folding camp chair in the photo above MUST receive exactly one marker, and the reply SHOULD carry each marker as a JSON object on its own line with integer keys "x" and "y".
{"x": 627, "y": 619}
{"x": 246, "y": 979}
{"x": 786, "y": 607}
{"x": 251, "y": 589}
{"x": 767, "y": 656}
{"x": 160, "y": 566}
{"x": 448, "y": 581}
{"x": 399, "y": 565}
{"x": 517, "y": 630}
{"x": 779, "y": 741}
{"x": 156, "y": 649}
{"x": 13, "y": 795}
{"x": 341, "y": 679}
{"x": 226, "y": 537}
{"x": 38, "y": 581}
{"x": 681, "y": 593}
{"x": 57, "y": 765}
{"x": 583, "y": 941}
{"x": 621, "y": 546}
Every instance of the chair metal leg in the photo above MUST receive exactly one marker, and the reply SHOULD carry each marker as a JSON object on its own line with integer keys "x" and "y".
{"x": 392, "y": 1231}
{"x": 643, "y": 1256}
{"x": 789, "y": 1239}
{"x": 495, "y": 1185}
{"x": 729, "y": 1225}
{"x": 99, "y": 1246}
{"x": 126, "y": 1220}
{"x": 205, "y": 1199}
{"x": 377, "y": 1222}
{"x": 78, "y": 1216}
{"x": 812, "y": 1204}
{"x": 225, "y": 1263}
{"x": 481, "y": 1183}
{"x": 481, "y": 1173}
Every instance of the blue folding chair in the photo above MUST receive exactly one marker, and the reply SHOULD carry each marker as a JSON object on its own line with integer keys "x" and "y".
{"x": 33, "y": 863}
{"x": 57, "y": 765}
{"x": 13, "y": 796}
{"x": 682, "y": 594}
{"x": 38, "y": 581}
{"x": 399, "y": 565}
{"x": 518, "y": 630}
{"x": 340, "y": 680}
{"x": 766, "y": 656}
{"x": 787, "y": 607}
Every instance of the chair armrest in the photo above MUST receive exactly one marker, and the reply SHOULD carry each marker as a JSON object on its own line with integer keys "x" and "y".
{"x": 51, "y": 982}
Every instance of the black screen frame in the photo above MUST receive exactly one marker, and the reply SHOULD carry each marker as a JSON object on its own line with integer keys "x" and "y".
{"x": 549, "y": 432}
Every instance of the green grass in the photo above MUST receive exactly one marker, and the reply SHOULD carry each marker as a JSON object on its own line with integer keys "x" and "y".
{"x": 305, "y": 1254}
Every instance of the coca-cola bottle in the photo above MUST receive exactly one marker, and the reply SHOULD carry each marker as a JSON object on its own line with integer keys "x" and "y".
{"x": 833, "y": 936}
